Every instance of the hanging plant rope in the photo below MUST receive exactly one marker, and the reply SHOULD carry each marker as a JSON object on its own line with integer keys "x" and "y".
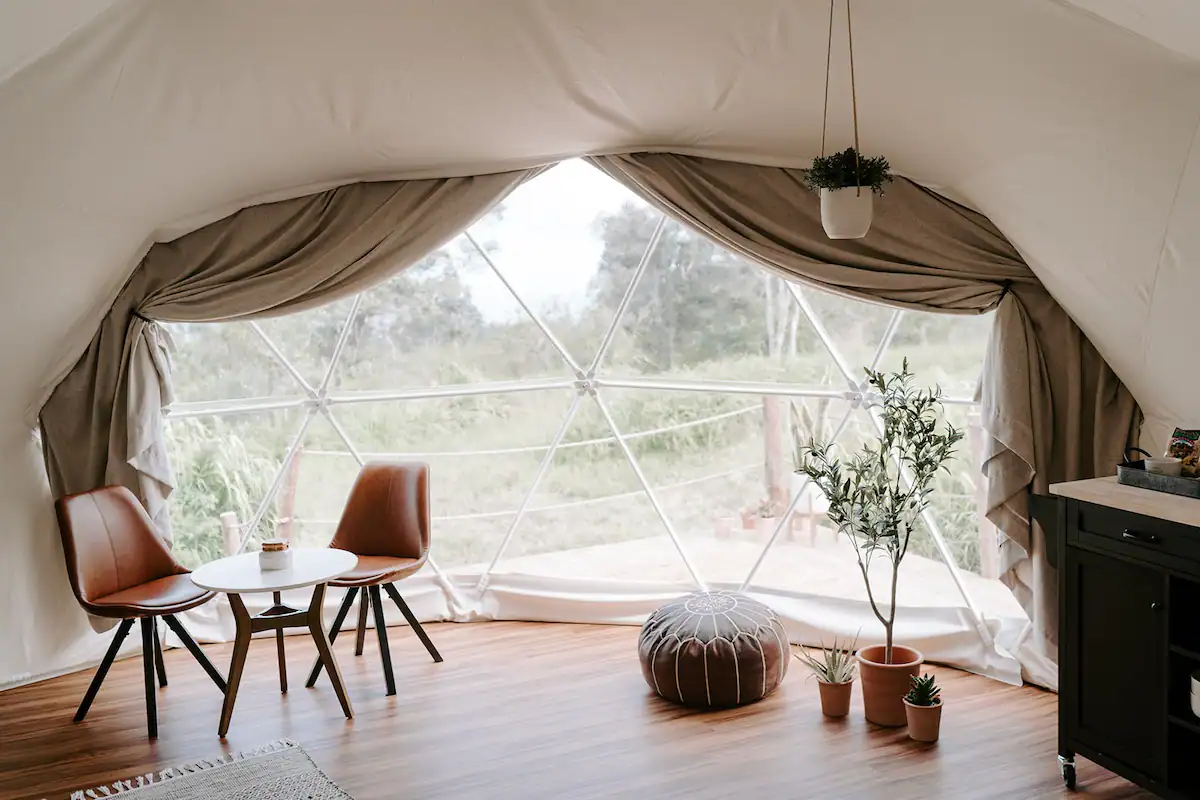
{"x": 853, "y": 89}
{"x": 848, "y": 168}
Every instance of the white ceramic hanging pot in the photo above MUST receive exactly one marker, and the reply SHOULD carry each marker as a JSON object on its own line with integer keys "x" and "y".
{"x": 847, "y": 213}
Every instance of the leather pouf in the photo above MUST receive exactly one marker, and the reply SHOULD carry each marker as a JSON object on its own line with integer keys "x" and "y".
{"x": 714, "y": 650}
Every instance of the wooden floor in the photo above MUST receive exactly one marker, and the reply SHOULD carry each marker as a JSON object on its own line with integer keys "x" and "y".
{"x": 523, "y": 710}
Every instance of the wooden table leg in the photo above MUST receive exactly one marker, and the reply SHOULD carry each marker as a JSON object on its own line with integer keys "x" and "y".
{"x": 316, "y": 626}
{"x": 241, "y": 646}
{"x": 278, "y": 598}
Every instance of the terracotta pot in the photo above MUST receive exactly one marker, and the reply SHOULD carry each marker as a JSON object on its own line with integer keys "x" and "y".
{"x": 884, "y": 685}
{"x": 924, "y": 722}
{"x": 765, "y": 526}
{"x": 835, "y": 698}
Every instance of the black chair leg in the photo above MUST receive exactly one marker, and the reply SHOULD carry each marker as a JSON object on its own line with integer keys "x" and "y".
{"x": 364, "y": 604}
{"x": 118, "y": 638}
{"x": 148, "y": 675}
{"x": 385, "y": 652}
{"x": 195, "y": 650}
{"x": 412, "y": 620}
{"x": 348, "y": 601}
{"x": 158, "y": 655}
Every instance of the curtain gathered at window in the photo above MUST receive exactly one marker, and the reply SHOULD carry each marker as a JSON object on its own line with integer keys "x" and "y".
{"x": 1052, "y": 407}
{"x": 103, "y": 424}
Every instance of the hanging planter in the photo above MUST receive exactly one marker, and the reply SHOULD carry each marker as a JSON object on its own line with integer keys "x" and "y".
{"x": 847, "y": 181}
{"x": 848, "y": 184}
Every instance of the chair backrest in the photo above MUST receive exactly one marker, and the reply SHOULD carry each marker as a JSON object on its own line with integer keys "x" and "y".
{"x": 387, "y": 513}
{"x": 110, "y": 543}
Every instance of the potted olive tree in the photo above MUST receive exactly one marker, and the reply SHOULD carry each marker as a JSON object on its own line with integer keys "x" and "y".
{"x": 876, "y": 497}
{"x": 847, "y": 183}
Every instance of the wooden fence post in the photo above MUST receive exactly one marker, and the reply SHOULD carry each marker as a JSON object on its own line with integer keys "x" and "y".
{"x": 231, "y": 532}
{"x": 287, "y": 496}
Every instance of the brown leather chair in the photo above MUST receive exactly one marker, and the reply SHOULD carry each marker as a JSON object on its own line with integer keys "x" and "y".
{"x": 386, "y": 524}
{"x": 120, "y": 568}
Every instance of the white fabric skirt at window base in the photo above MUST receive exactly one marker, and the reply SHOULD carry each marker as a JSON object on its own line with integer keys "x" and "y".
{"x": 945, "y": 635}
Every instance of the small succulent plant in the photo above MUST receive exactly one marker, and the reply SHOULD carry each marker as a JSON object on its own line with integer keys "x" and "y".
{"x": 924, "y": 691}
{"x": 835, "y": 665}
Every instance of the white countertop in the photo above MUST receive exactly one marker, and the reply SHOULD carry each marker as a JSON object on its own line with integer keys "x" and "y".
{"x": 1107, "y": 492}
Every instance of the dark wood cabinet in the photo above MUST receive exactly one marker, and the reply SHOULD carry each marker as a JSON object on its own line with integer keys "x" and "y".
{"x": 1118, "y": 644}
{"x": 1129, "y": 641}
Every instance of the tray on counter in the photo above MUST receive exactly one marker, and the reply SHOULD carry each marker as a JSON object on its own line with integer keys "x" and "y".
{"x": 1133, "y": 473}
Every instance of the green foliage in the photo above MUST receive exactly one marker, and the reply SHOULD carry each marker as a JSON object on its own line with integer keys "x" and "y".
{"x": 216, "y": 471}
{"x": 848, "y": 168}
{"x": 869, "y": 498}
{"x": 695, "y": 303}
{"x": 924, "y": 691}
{"x": 836, "y": 664}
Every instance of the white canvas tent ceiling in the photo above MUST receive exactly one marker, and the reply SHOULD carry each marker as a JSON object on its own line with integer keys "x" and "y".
{"x": 1073, "y": 126}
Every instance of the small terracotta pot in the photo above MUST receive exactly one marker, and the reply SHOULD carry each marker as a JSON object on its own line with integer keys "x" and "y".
{"x": 884, "y": 685}
{"x": 924, "y": 722}
{"x": 835, "y": 698}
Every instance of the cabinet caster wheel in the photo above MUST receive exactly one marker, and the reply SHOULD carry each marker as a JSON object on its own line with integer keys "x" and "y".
{"x": 1068, "y": 775}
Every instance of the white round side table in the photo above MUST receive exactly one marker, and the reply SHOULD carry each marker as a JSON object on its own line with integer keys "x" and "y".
{"x": 238, "y": 575}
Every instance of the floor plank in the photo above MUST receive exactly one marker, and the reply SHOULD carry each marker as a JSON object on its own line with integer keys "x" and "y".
{"x": 527, "y": 710}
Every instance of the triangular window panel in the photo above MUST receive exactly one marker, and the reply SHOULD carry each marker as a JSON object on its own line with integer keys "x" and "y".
{"x": 590, "y": 518}
{"x": 855, "y": 328}
{"x": 483, "y": 453}
{"x": 550, "y": 240}
{"x": 446, "y": 320}
{"x": 701, "y": 313}
{"x": 224, "y": 468}
{"x": 308, "y": 339}
{"x": 946, "y": 350}
{"x": 225, "y": 361}
{"x": 315, "y": 486}
{"x": 811, "y": 556}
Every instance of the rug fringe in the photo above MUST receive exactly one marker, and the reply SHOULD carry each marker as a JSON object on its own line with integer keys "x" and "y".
{"x": 150, "y": 778}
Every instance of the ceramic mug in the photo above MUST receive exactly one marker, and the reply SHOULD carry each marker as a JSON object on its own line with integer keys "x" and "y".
{"x": 1164, "y": 466}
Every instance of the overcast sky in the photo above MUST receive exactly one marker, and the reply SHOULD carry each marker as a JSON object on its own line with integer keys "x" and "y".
{"x": 547, "y": 243}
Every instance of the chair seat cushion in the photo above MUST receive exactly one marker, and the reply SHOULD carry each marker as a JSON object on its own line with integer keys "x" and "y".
{"x": 714, "y": 650}
{"x": 379, "y": 569}
{"x": 168, "y": 595}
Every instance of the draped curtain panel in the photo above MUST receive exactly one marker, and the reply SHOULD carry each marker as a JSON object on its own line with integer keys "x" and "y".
{"x": 103, "y": 424}
{"x": 1053, "y": 409}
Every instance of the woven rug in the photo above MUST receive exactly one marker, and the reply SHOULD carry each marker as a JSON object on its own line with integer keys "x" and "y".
{"x": 278, "y": 771}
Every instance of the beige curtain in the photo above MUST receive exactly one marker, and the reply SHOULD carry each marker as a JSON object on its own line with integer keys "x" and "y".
{"x": 1052, "y": 407}
{"x": 103, "y": 424}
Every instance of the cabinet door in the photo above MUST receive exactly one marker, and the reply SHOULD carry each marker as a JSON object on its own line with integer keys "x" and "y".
{"x": 1114, "y": 680}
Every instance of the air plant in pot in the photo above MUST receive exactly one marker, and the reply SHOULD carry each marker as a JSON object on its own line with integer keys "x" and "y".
{"x": 834, "y": 671}
{"x": 847, "y": 183}
{"x": 923, "y": 707}
{"x": 876, "y": 497}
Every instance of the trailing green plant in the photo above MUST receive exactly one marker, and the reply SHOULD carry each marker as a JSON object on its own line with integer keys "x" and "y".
{"x": 848, "y": 168}
{"x": 876, "y": 496}
{"x": 836, "y": 664}
{"x": 924, "y": 691}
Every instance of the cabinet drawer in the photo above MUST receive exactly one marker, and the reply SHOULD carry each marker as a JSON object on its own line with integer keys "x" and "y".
{"x": 1142, "y": 537}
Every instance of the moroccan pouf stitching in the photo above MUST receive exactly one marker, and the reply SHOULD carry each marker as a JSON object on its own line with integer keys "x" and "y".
{"x": 714, "y": 650}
